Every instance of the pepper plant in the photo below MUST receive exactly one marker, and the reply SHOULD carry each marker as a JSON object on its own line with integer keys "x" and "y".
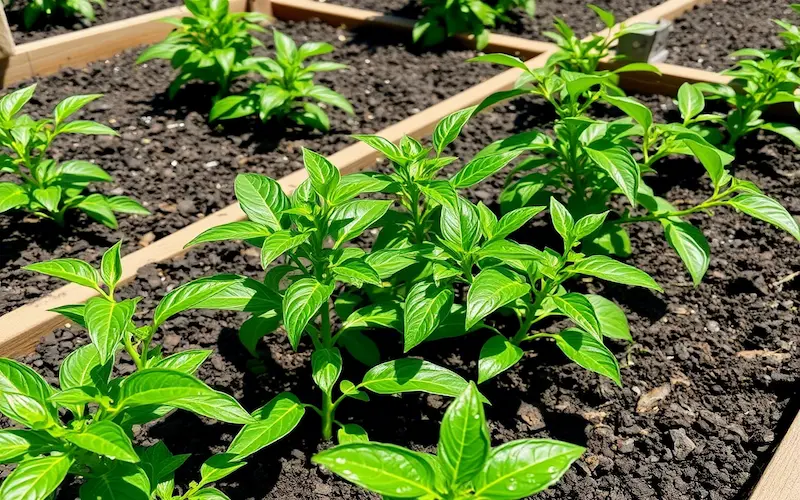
{"x": 213, "y": 46}
{"x": 310, "y": 232}
{"x": 448, "y": 18}
{"x": 289, "y": 89}
{"x": 95, "y": 442}
{"x": 588, "y": 162}
{"x": 465, "y": 464}
{"x": 49, "y": 188}
{"x": 35, "y": 9}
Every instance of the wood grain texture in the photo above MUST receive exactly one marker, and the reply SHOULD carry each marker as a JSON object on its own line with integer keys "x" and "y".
{"x": 781, "y": 478}
{"x": 76, "y": 49}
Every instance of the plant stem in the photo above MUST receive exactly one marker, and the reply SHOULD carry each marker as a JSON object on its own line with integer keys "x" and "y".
{"x": 327, "y": 416}
{"x": 137, "y": 360}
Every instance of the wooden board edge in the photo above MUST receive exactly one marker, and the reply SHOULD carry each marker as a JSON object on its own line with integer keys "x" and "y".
{"x": 781, "y": 479}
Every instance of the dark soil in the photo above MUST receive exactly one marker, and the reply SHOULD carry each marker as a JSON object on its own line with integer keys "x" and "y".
{"x": 115, "y": 10}
{"x": 574, "y": 12}
{"x": 726, "y": 353}
{"x": 704, "y": 37}
{"x": 169, "y": 158}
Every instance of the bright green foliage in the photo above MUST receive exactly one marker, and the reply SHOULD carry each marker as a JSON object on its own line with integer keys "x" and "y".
{"x": 213, "y": 46}
{"x": 448, "y": 18}
{"x": 306, "y": 251}
{"x": 586, "y": 162}
{"x": 761, "y": 78}
{"x": 584, "y": 55}
{"x": 34, "y": 9}
{"x": 94, "y": 442}
{"x": 288, "y": 90}
{"x": 48, "y": 187}
{"x": 464, "y": 466}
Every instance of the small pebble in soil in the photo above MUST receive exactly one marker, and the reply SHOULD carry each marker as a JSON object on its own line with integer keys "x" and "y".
{"x": 682, "y": 445}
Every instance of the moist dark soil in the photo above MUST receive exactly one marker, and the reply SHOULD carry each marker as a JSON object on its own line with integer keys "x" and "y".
{"x": 722, "y": 357}
{"x": 115, "y": 10}
{"x": 705, "y": 36}
{"x": 574, "y": 12}
{"x": 169, "y": 158}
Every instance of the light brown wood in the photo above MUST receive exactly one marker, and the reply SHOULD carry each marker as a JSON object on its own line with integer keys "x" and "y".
{"x": 337, "y": 15}
{"x": 263, "y": 6}
{"x": 781, "y": 478}
{"x": 6, "y": 38}
{"x": 669, "y": 81}
{"x": 76, "y": 49}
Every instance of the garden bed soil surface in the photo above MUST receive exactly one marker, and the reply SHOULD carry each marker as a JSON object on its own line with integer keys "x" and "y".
{"x": 705, "y": 36}
{"x": 715, "y": 367}
{"x": 574, "y": 12}
{"x": 181, "y": 168}
{"x": 115, "y": 10}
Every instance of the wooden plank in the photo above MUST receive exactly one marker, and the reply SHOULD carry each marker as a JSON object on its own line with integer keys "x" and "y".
{"x": 6, "y": 38}
{"x": 263, "y": 6}
{"x": 337, "y": 15}
{"x": 76, "y": 49}
{"x": 781, "y": 478}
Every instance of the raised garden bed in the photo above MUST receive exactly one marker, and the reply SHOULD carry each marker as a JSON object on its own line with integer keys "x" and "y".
{"x": 116, "y": 10}
{"x": 171, "y": 159}
{"x": 726, "y": 350}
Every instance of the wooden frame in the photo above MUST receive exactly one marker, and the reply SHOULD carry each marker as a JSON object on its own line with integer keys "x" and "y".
{"x": 21, "y": 329}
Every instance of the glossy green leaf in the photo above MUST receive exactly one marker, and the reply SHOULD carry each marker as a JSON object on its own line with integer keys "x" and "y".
{"x": 497, "y": 355}
{"x": 351, "y": 433}
{"x": 587, "y": 351}
{"x": 324, "y": 176}
{"x": 219, "y": 467}
{"x": 767, "y": 209}
{"x": 618, "y": 163}
{"x": 691, "y": 246}
{"x": 111, "y": 266}
{"x": 123, "y": 482}
{"x": 356, "y": 272}
{"x": 449, "y": 127}
{"x": 326, "y": 366}
{"x": 279, "y": 243}
{"x": 107, "y": 322}
{"x": 606, "y": 268}
{"x": 351, "y": 219}
{"x": 261, "y": 198}
{"x": 24, "y": 395}
{"x": 461, "y": 227}
{"x": 612, "y": 319}
{"x": 273, "y": 421}
{"x": 784, "y": 129}
{"x": 492, "y": 289}
{"x": 241, "y": 230}
{"x": 426, "y": 306}
{"x": 14, "y": 443}
{"x": 632, "y": 108}
{"x": 690, "y": 101}
{"x": 83, "y": 367}
{"x": 481, "y": 168}
{"x": 563, "y": 222}
{"x": 301, "y": 303}
{"x": 187, "y": 362}
{"x": 514, "y": 220}
{"x": 413, "y": 375}
{"x": 578, "y": 308}
{"x": 71, "y": 104}
{"x": 464, "y": 437}
{"x": 72, "y": 270}
{"x": 105, "y": 438}
{"x": 36, "y": 478}
{"x": 257, "y": 327}
{"x": 12, "y": 196}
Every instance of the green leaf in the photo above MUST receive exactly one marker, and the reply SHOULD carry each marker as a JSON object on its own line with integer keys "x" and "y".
{"x": 126, "y": 205}
{"x": 497, "y": 355}
{"x": 105, "y": 438}
{"x": 449, "y": 127}
{"x": 12, "y": 196}
{"x": 589, "y": 224}
{"x": 461, "y": 227}
{"x": 426, "y": 306}
{"x": 279, "y": 243}
{"x": 98, "y": 208}
{"x": 606, "y": 268}
{"x": 75, "y": 171}
{"x": 111, "y": 266}
{"x": 579, "y": 309}
{"x": 383, "y": 314}
{"x": 563, "y": 222}
{"x": 612, "y": 319}
{"x": 86, "y": 127}
{"x": 107, "y": 322}
{"x": 224, "y": 291}
{"x": 301, "y": 303}
{"x": 15, "y": 443}
{"x": 83, "y": 367}
{"x": 413, "y": 375}
{"x": 72, "y": 270}
{"x": 481, "y": 168}
{"x": 326, "y": 367}
{"x": 784, "y": 129}
{"x": 383, "y": 146}
{"x": 632, "y": 108}
{"x": 691, "y": 246}
{"x": 712, "y": 159}
{"x": 604, "y": 15}
{"x": 353, "y": 185}
{"x": 587, "y": 351}
{"x": 11, "y": 104}
{"x": 209, "y": 494}
{"x": 161, "y": 386}
{"x": 464, "y": 437}
{"x": 123, "y": 482}
{"x": 71, "y": 104}
{"x": 351, "y": 433}
{"x": 383, "y": 468}
{"x": 219, "y": 467}
{"x": 618, "y": 163}
{"x": 361, "y": 347}
{"x": 187, "y": 362}
{"x": 261, "y": 198}
{"x": 690, "y": 101}
{"x": 273, "y": 421}
{"x": 324, "y": 176}
{"x": 492, "y": 289}
{"x": 24, "y": 395}
{"x": 525, "y": 467}
{"x": 257, "y": 327}
{"x": 765, "y": 208}
{"x": 330, "y": 97}
{"x": 514, "y": 220}
{"x": 49, "y": 198}
{"x": 36, "y": 478}
{"x": 356, "y": 272}
{"x": 242, "y": 230}
{"x": 501, "y": 59}
{"x": 352, "y": 218}
{"x": 75, "y": 396}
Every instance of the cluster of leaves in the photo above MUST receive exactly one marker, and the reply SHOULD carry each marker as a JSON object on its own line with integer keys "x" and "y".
{"x": 587, "y": 162}
{"x": 95, "y": 441}
{"x": 448, "y": 18}
{"x": 465, "y": 464}
{"x": 289, "y": 89}
{"x": 34, "y": 9}
{"x": 213, "y": 46}
{"x": 217, "y": 45}
{"x": 48, "y": 188}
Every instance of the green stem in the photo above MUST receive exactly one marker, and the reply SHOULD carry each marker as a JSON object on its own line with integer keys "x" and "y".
{"x": 126, "y": 339}
{"x": 679, "y": 213}
{"x": 327, "y": 416}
